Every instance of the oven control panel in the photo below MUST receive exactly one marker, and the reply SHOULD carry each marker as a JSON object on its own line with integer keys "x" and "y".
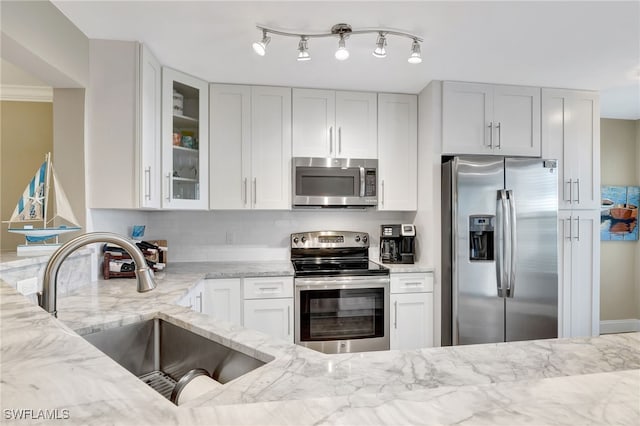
{"x": 330, "y": 239}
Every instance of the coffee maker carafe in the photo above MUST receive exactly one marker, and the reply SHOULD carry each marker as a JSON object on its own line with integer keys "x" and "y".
{"x": 397, "y": 243}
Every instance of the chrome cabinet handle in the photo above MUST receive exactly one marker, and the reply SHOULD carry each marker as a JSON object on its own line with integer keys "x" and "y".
{"x": 382, "y": 190}
{"x": 577, "y": 182}
{"x": 499, "y": 127}
{"x": 395, "y": 314}
{"x": 577, "y": 237}
{"x": 244, "y": 195}
{"x": 255, "y": 191}
{"x": 199, "y": 298}
{"x": 490, "y": 126}
{"x": 147, "y": 183}
{"x": 168, "y": 186}
{"x": 340, "y": 140}
{"x": 288, "y": 320}
{"x": 564, "y": 228}
{"x": 331, "y": 140}
{"x": 570, "y": 191}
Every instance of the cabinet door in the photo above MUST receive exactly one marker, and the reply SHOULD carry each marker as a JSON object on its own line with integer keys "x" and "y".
{"x": 271, "y": 148}
{"x": 397, "y": 152}
{"x": 411, "y": 321}
{"x": 356, "y": 125}
{"x": 571, "y": 134}
{"x": 466, "y": 117}
{"x": 222, "y": 299}
{"x": 579, "y": 289}
{"x": 271, "y": 316}
{"x": 150, "y": 129}
{"x": 230, "y": 144}
{"x": 185, "y": 158}
{"x": 314, "y": 118}
{"x": 516, "y": 120}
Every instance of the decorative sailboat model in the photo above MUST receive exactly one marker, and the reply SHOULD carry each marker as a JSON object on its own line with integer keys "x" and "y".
{"x": 34, "y": 205}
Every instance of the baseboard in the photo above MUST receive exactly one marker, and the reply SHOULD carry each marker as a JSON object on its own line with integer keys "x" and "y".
{"x": 619, "y": 326}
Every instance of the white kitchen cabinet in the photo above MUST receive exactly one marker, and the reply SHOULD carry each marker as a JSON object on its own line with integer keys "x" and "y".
{"x": 411, "y": 310}
{"x": 250, "y": 147}
{"x": 271, "y": 316}
{"x": 327, "y": 123}
{"x": 221, "y": 299}
{"x": 185, "y": 141}
{"x": 490, "y": 119}
{"x": 268, "y": 305}
{"x": 571, "y": 134}
{"x": 194, "y": 299}
{"x": 397, "y": 152}
{"x": 123, "y": 159}
{"x": 579, "y": 273}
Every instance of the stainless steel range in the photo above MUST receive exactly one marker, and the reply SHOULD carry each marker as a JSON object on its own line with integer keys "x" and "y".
{"x": 341, "y": 297}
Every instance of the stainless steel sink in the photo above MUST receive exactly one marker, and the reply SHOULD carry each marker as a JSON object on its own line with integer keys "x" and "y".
{"x": 161, "y": 353}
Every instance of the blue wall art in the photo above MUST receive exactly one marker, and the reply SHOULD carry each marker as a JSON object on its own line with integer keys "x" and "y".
{"x": 619, "y": 213}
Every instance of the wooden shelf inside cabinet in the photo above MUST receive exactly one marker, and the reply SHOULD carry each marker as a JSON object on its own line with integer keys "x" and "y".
{"x": 181, "y": 179}
{"x": 109, "y": 256}
{"x": 185, "y": 149}
{"x": 184, "y": 121}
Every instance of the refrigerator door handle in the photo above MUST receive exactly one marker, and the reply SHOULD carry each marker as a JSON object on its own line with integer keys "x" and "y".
{"x": 513, "y": 246}
{"x": 501, "y": 227}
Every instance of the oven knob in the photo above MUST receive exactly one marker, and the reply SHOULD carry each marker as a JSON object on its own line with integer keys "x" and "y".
{"x": 295, "y": 240}
{"x": 357, "y": 238}
{"x": 365, "y": 239}
{"x": 304, "y": 239}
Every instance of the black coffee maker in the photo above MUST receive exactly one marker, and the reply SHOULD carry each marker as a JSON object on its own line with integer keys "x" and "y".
{"x": 397, "y": 243}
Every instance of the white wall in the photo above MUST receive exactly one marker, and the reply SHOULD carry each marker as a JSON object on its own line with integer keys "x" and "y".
{"x": 251, "y": 235}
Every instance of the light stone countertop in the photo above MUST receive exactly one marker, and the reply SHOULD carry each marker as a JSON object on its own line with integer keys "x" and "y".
{"x": 233, "y": 269}
{"x": 45, "y": 365}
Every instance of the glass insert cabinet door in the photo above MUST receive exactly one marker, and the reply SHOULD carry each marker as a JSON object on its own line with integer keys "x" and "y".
{"x": 185, "y": 141}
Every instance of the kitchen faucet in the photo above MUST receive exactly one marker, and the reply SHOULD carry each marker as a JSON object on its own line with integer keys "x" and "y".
{"x": 144, "y": 275}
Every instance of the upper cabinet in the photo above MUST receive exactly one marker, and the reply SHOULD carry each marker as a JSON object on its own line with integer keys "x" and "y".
{"x": 397, "y": 152}
{"x": 185, "y": 144}
{"x": 250, "y": 147}
{"x": 571, "y": 134}
{"x": 327, "y": 123}
{"x": 124, "y": 100}
{"x": 490, "y": 119}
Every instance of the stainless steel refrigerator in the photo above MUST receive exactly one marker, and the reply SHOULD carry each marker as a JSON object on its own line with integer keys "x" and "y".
{"x": 499, "y": 249}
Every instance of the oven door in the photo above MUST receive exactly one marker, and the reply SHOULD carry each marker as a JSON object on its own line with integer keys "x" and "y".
{"x": 334, "y": 182}
{"x": 342, "y": 314}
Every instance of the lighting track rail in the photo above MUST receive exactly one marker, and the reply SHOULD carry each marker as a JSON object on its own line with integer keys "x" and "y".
{"x": 343, "y": 31}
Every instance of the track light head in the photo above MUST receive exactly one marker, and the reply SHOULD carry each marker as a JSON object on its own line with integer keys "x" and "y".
{"x": 260, "y": 47}
{"x": 303, "y": 50}
{"x": 342, "y": 53}
{"x": 380, "y": 51}
{"x": 415, "y": 57}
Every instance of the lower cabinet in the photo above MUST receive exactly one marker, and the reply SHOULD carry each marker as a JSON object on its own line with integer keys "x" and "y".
{"x": 579, "y": 273}
{"x": 268, "y": 306}
{"x": 411, "y": 317}
{"x": 222, "y": 299}
{"x": 194, "y": 298}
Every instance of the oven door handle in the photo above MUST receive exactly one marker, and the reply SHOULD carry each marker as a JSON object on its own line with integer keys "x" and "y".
{"x": 347, "y": 282}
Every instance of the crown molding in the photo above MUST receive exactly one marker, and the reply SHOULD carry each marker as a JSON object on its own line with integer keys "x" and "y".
{"x": 11, "y": 92}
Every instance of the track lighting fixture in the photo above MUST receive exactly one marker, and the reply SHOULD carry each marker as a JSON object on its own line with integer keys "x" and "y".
{"x": 343, "y": 31}
{"x": 380, "y": 50}
{"x": 415, "y": 57}
{"x": 260, "y": 47}
{"x": 303, "y": 50}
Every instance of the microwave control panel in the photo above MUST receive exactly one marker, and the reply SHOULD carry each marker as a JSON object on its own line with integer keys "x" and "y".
{"x": 370, "y": 181}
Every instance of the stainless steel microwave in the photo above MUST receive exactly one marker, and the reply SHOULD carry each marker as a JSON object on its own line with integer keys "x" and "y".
{"x": 334, "y": 182}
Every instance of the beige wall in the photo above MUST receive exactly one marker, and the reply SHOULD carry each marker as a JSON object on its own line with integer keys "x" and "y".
{"x": 619, "y": 260}
{"x": 26, "y": 136}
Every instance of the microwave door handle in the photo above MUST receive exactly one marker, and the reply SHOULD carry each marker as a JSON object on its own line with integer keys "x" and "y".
{"x": 361, "y": 181}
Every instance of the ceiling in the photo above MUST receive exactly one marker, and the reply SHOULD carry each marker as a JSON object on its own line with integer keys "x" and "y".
{"x": 580, "y": 45}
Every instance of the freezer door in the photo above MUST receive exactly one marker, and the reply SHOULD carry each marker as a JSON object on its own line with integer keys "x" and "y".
{"x": 532, "y": 302}
{"x": 478, "y": 311}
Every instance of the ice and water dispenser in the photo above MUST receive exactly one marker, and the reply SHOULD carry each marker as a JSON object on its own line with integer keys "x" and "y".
{"x": 481, "y": 232}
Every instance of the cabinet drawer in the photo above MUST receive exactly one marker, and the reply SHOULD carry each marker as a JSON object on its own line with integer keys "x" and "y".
{"x": 268, "y": 287}
{"x": 411, "y": 283}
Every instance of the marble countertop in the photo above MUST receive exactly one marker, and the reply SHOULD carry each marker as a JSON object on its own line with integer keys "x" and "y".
{"x": 233, "y": 269}
{"x": 46, "y": 365}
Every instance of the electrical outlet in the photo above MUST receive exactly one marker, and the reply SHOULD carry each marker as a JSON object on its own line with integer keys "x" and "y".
{"x": 28, "y": 286}
{"x": 231, "y": 237}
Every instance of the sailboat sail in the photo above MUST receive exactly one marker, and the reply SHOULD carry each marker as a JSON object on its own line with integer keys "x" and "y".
{"x": 31, "y": 204}
{"x": 34, "y": 205}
